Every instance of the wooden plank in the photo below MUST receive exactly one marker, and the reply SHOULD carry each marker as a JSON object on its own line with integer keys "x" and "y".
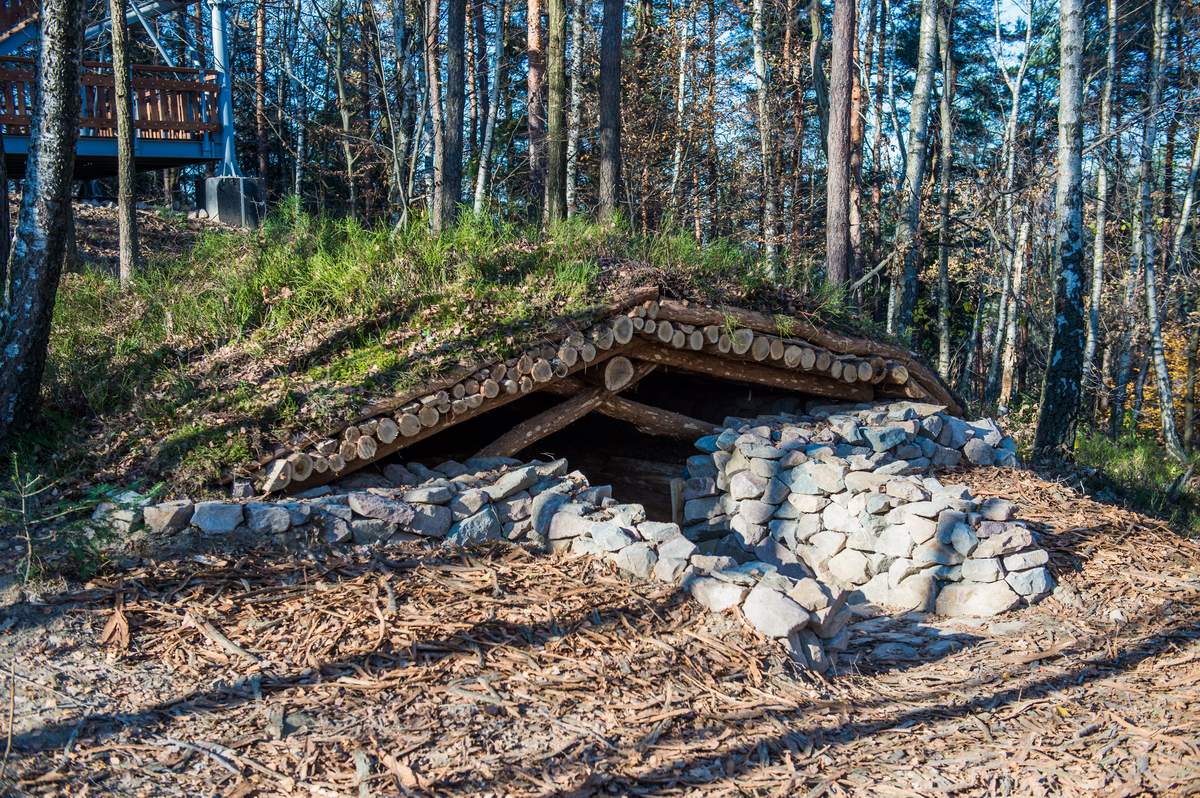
{"x": 543, "y": 424}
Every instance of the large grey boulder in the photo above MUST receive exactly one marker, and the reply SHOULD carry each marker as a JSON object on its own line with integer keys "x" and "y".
{"x": 483, "y": 525}
{"x": 976, "y": 600}
{"x": 371, "y": 505}
{"x": 773, "y": 613}
{"x": 216, "y": 518}
{"x": 267, "y": 519}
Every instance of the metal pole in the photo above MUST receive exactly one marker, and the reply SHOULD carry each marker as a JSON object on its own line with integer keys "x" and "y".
{"x": 220, "y": 54}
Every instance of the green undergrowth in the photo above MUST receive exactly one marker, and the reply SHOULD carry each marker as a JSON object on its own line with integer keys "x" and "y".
{"x": 1135, "y": 470}
{"x": 214, "y": 354}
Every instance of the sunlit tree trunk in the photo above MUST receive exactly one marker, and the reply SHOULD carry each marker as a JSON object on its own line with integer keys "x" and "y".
{"x": 765, "y": 138}
{"x": 1061, "y": 389}
{"x": 1091, "y": 381}
{"x": 680, "y": 100}
{"x": 35, "y": 262}
{"x": 578, "y": 13}
{"x": 1162, "y": 378}
{"x": 837, "y": 182}
{"x": 260, "y": 85}
{"x": 946, "y": 120}
{"x": 609, "y": 144}
{"x": 536, "y": 106}
{"x": 907, "y": 250}
{"x": 127, "y": 232}
{"x": 1016, "y": 298}
{"x": 556, "y": 164}
{"x": 483, "y": 176}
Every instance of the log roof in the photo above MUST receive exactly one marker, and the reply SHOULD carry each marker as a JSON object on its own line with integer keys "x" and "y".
{"x": 590, "y": 364}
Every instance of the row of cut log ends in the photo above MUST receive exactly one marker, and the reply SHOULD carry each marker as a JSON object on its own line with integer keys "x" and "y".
{"x": 358, "y": 444}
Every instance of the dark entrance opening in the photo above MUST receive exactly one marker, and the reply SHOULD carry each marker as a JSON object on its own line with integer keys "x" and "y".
{"x": 611, "y": 451}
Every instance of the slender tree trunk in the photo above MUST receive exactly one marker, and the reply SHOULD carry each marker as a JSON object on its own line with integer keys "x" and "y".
{"x": 1013, "y": 320}
{"x": 680, "y": 100}
{"x": 609, "y": 144}
{"x": 837, "y": 183}
{"x": 489, "y": 129}
{"x": 1064, "y": 366}
{"x": 945, "y": 182}
{"x": 877, "y": 138}
{"x": 260, "y": 85}
{"x": 433, "y": 82}
{"x": 556, "y": 167}
{"x": 856, "y": 150}
{"x": 536, "y": 104}
{"x": 1189, "y": 400}
{"x": 907, "y": 250}
{"x": 579, "y": 11}
{"x": 483, "y": 73}
{"x": 765, "y": 140}
{"x": 35, "y": 263}
{"x": 1162, "y": 379}
{"x": 452, "y": 162}
{"x": 343, "y": 98}
{"x": 126, "y": 176}
{"x": 1185, "y": 210}
{"x": 1092, "y": 383}
{"x": 816, "y": 64}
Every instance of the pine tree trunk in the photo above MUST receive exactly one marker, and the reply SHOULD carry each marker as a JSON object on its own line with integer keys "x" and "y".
{"x": 837, "y": 183}
{"x": 609, "y": 144}
{"x": 35, "y": 263}
{"x": 344, "y": 101}
{"x": 556, "y": 166}
{"x": 536, "y": 105}
{"x": 578, "y": 12}
{"x": 1092, "y": 383}
{"x": 1064, "y": 366}
{"x": 816, "y": 65}
{"x": 452, "y": 162}
{"x": 946, "y": 120}
{"x": 126, "y": 175}
{"x": 907, "y": 251}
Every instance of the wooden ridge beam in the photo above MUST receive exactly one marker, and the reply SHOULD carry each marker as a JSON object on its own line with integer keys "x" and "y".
{"x": 646, "y": 418}
{"x": 701, "y": 315}
{"x": 544, "y": 424}
{"x": 747, "y": 371}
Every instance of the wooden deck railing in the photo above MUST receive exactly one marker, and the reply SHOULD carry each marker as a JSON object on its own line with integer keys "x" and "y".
{"x": 17, "y": 12}
{"x": 171, "y": 103}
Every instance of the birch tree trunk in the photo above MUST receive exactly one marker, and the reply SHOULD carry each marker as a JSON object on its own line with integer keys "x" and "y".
{"x": 1162, "y": 378}
{"x": 126, "y": 175}
{"x": 575, "y": 119}
{"x": 680, "y": 98}
{"x": 907, "y": 251}
{"x": 1013, "y": 319}
{"x": 1060, "y": 389}
{"x": 556, "y": 166}
{"x": 35, "y": 263}
{"x": 1091, "y": 382}
{"x": 609, "y": 143}
{"x": 1185, "y": 211}
{"x": 483, "y": 175}
{"x": 765, "y": 135}
{"x": 433, "y": 83}
{"x": 946, "y": 119}
{"x": 260, "y": 85}
{"x": 837, "y": 182}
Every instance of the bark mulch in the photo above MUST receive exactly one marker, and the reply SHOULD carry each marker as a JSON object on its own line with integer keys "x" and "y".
{"x": 503, "y": 673}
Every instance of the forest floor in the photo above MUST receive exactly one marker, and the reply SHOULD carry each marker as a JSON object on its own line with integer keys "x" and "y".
{"x": 506, "y": 673}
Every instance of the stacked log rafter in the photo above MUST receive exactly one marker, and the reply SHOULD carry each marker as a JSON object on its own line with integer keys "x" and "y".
{"x": 632, "y": 338}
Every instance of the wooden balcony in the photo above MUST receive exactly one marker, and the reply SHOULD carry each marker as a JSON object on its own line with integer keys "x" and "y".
{"x": 175, "y": 117}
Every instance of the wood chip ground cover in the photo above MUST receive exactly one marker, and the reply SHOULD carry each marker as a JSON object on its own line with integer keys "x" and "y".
{"x": 500, "y": 672}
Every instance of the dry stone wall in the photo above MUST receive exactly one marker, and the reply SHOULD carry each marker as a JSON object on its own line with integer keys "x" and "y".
{"x": 850, "y": 493}
{"x": 790, "y": 519}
